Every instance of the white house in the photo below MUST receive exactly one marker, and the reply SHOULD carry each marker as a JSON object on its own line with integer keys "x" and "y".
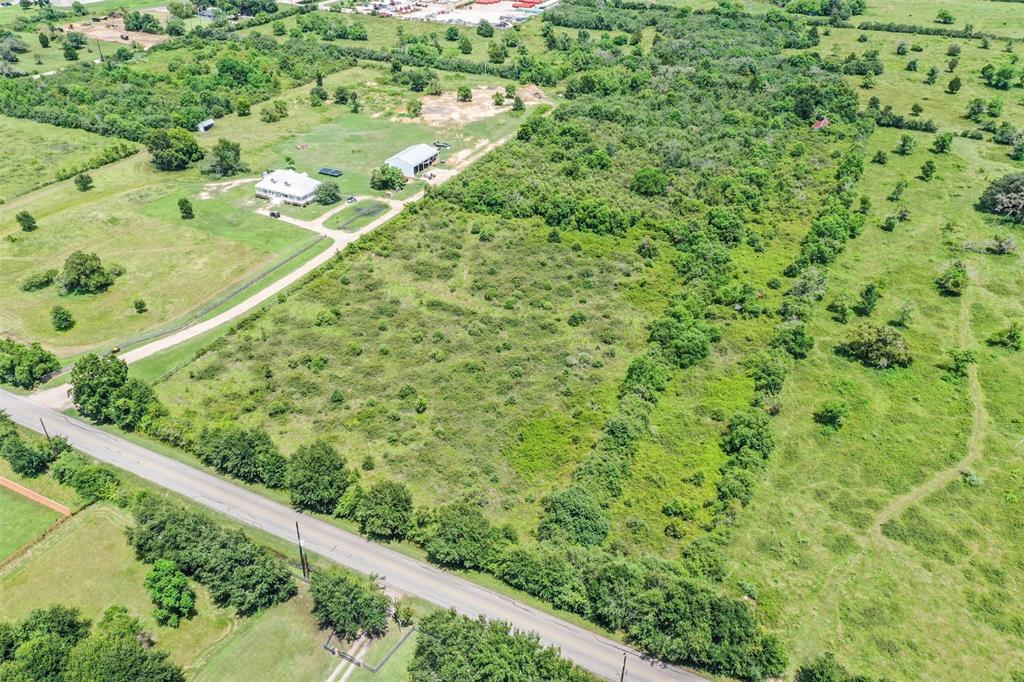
{"x": 413, "y": 159}
{"x": 287, "y": 186}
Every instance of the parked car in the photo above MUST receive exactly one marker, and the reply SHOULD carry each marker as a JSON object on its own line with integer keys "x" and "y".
{"x": 442, "y": 145}
{"x": 275, "y": 214}
{"x": 350, "y": 200}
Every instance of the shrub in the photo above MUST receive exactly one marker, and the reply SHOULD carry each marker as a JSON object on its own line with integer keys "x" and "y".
{"x": 748, "y": 439}
{"x": 1005, "y": 196}
{"x": 573, "y": 515}
{"x": 185, "y": 209}
{"x": 26, "y": 221}
{"x": 61, "y": 318}
{"x": 348, "y": 605}
{"x": 91, "y": 481}
{"x": 40, "y": 280}
{"x": 953, "y": 280}
{"x": 25, "y": 459}
{"x": 960, "y": 361}
{"x": 1011, "y": 337}
{"x": 832, "y": 414}
{"x": 83, "y": 181}
{"x": 385, "y": 510}
{"x": 878, "y": 346}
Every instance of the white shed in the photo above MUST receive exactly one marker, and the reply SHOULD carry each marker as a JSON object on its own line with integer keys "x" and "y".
{"x": 287, "y": 186}
{"x": 414, "y": 159}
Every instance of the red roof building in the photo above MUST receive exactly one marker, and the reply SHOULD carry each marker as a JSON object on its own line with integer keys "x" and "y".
{"x": 821, "y": 124}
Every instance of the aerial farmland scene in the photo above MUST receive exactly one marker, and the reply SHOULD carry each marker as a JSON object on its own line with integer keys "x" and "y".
{"x": 511, "y": 340}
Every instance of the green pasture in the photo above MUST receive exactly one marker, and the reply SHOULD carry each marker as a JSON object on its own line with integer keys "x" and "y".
{"x": 87, "y": 564}
{"x": 828, "y": 576}
{"x": 990, "y": 16}
{"x": 131, "y": 219}
{"x": 32, "y": 153}
{"x": 21, "y": 520}
{"x": 901, "y": 89}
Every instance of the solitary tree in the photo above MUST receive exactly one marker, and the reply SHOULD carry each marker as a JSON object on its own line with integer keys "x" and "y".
{"x": 464, "y": 94}
{"x": 485, "y": 29}
{"x": 954, "y": 85}
{"x": 61, "y": 318}
{"x": 83, "y": 181}
{"x": 226, "y": 159}
{"x": 928, "y": 170}
{"x": 465, "y": 45}
{"x": 328, "y": 193}
{"x": 387, "y": 178}
{"x": 185, "y": 209}
{"x": 26, "y": 220}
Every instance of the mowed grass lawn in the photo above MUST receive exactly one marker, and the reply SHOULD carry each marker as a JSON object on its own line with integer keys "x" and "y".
{"x": 31, "y": 154}
{"x": 21, "y": 521}
{"x": 88, "y": 564}
{"x": 935, "y": 591}
{"x": 130, "y": 219}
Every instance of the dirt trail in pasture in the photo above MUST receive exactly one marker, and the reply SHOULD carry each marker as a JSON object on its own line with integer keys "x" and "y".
{"x": 211, "y": 187}
{"x": 974, "y": 443}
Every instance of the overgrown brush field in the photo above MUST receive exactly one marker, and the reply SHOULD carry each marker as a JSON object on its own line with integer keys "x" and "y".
{"x": 894, "y": 539}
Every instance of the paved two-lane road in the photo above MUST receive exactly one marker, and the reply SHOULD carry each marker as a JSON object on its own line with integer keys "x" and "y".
{"x": 593, "y": 652}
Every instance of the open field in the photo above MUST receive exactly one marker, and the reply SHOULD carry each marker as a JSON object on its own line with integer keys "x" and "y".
{"x": 990, "y": 16}
{"x": 393, "y": 330}
{"x": 90, "y": 561}
{"x": 31, "y": 154}
{"x": 21, "y": 521}
{"x": 901, "y": 88}
{"x": 130, "y": 219}
{"x": 894, "y": 541}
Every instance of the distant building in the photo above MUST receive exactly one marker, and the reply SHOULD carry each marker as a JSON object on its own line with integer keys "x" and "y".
{"x": 287, "y": 186}
{"x": 208, "y": 13}
{"x": 204, "y": 126}
{"x": 821, "y": 124}
{"x": 414, "y": 159}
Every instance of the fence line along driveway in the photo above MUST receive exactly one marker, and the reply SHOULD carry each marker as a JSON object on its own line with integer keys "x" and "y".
{"x": 589, "y": 650}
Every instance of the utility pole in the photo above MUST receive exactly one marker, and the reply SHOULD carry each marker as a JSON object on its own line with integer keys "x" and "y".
{"x": 302, "y": 553}
{"x": 622, "y": 677}
{"x": 46, "y": 433}
{"x": 100, "y": 48}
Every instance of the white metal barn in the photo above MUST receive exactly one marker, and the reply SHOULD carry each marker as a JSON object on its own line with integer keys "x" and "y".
{"x": 287, "y": 186}
{"x": 413, "y": 159}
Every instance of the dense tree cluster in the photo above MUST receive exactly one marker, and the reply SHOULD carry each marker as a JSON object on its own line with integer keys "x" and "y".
{"x": 238, "y": 572}
{"x": 102, "y": 391}
{"x": 349, "y": 605}
{"x": 1005, "y": 196}
{"x": 57, "y": 644}
{"x": 27, "y": 458}
{"x": 454, "y": 648}
{"x": 246, "y": 454}
{"x": 25, "y": 366}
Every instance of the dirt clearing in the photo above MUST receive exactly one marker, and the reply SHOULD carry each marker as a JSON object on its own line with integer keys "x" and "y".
{"x": 445, "y": 109}
{"x": 112, "y": 30}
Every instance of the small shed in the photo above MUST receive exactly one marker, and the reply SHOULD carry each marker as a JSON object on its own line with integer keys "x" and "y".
{"x": 204, "y": 126}
{"x": 332, "y": 172}
{"x": 414, "y": 159}
{"x": 821, "y": 123}
{"x": 208, "y": 13}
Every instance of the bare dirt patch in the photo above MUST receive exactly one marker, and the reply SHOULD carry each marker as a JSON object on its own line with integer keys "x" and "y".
{"x": 445, "y": 109}
{"x": 211, "y": 187}
{"x": 112, "y": 30}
